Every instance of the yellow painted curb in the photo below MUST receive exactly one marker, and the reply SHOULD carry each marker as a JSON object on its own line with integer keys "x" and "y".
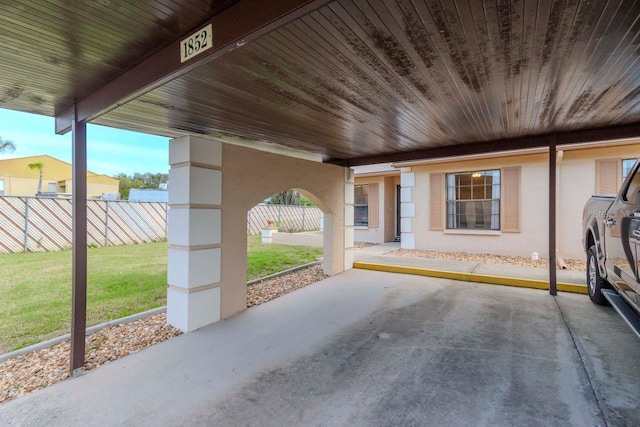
{"x": 471, "y": 277}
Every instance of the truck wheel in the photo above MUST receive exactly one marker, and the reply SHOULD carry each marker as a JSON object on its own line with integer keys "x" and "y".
{"x": 594, "y": 281}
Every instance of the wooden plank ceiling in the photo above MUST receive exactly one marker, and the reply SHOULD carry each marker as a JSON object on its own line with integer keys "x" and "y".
{"x": 353, "y": 79}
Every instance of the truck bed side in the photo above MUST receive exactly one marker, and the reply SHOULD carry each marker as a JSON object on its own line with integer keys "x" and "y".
{"x": 595, "y": 210}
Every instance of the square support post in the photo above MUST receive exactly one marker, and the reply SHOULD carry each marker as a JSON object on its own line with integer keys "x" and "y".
{"x": 79, "y": 255}
{"x": 407, "y": 209}
{"x": 552, "y": 216}
{"x": 348, "y": 222}
{"x": 194, "y": 265}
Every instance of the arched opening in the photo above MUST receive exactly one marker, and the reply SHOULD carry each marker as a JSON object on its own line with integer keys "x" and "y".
{"x": 290, "y": 218}
{"x": 214, "y": 186}
{"x": 285, "y": 245}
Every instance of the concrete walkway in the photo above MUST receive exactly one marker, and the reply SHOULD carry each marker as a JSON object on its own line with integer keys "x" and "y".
{"x": 367, "y": 348}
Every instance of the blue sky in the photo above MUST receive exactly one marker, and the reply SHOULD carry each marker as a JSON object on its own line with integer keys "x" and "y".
{"x": 109, "y": 151}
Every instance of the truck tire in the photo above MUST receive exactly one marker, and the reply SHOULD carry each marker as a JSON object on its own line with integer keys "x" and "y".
{"x": 594, "y": 281}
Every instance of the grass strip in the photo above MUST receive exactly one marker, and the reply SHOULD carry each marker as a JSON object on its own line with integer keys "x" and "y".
{"x": 35, "y": 288}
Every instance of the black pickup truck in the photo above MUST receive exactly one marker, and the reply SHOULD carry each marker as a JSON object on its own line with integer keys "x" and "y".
{"x": 611, "y": 237}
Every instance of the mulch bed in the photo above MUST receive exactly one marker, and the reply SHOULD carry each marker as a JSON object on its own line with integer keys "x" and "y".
{"x": 39, "y": 369}
{"x": 572, "y": 264}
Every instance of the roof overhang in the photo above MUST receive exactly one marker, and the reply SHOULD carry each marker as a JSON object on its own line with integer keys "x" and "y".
{"x": 350, "y": 82}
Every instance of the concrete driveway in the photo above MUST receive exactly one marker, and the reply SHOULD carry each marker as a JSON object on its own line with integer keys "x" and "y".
{"x": 369, "y": 348}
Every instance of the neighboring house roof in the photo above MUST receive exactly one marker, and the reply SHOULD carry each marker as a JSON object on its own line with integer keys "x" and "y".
{"x": 53, "y": 169}
{"x": 375, "y": 169}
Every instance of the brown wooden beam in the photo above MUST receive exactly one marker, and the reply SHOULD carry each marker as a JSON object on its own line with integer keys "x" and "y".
{"x": 495, "y": 146}
{"x": 240, "y": 24}
{"x": 552, "y": 216}
{"x": 79, "y": 247}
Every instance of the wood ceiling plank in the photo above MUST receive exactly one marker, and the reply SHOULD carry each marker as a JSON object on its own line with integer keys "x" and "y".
{"x": 578, "y": 94}
{"x": 451, "y": 65}
{"x": 345, "y": 79}
{"x": 239, "y": 24}
{"x": 393, "y": 38}
{"x": 609, "y": 78}
{"x": 365, "y": 95}
{"x": 358, "y": 66}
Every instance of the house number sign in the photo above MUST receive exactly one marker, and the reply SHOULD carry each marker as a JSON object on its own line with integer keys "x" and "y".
{"x": 196, "y": 43}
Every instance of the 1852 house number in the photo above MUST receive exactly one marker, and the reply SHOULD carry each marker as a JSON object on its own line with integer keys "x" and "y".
{"x": 195, "y": 44}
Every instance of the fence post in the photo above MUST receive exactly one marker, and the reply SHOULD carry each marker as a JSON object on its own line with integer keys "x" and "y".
{"x": 106, "y": 224}
{"x": 304, "y": 209}
{"x": 26, "y": 224}
{"x": 249, "y": 222}
{"x": 279, "y": 215}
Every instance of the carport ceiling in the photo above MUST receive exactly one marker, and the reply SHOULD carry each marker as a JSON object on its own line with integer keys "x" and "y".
{"x": 354, "y": 80}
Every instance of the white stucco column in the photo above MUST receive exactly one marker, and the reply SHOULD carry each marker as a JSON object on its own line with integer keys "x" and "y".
{"x": 194, "y": 232}
{"x": 407, "y": 209}
{"x": 349, "y": 234}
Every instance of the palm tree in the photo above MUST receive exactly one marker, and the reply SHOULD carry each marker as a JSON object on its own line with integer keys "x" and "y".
{"x": 39, "y": 166}
{"x": 6, "y": 146}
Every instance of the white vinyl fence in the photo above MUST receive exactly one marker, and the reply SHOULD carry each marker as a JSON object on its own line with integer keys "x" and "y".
{"x": 33, "y": 224}
{"x": 288, "y": 218}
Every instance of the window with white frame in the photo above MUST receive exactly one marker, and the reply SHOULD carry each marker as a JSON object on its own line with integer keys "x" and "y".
{"x": 627, "y": 164}
{"x": 473, "y": 200}
{"x": 1, "y": 187}
{"x": 361, "y": 205}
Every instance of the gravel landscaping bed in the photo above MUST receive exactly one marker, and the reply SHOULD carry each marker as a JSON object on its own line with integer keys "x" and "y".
{"x": 39, "y": 369}
{"x": 273, "y": 288}
{"x": 572, "y": 264}
{"x": 360, "y": 245}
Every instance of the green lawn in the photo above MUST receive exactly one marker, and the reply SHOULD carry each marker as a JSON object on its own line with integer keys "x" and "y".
{"x": 263, "y": 260}
{"x": 35, "y": 288}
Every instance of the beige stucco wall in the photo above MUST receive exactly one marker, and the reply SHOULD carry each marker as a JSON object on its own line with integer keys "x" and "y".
{"x": 576, "y": 182}
{"x": 386, "y": 210}
{"x": 532, "y": 237}
{"x": 20, "y": 180}
{"x": 213, "y": 185}
{"x": 250, "y": 176}
{"x": 20, "y": 186}
{"x": 95, "y": 190}
{"x": 14, "y": 186}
